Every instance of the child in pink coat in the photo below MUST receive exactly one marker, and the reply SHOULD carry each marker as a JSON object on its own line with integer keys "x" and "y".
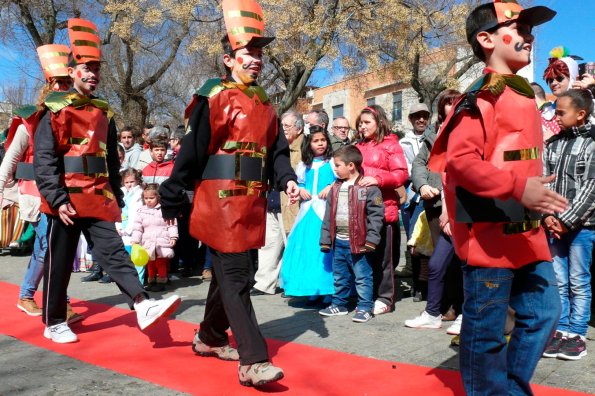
{"x": 155, "y": 236}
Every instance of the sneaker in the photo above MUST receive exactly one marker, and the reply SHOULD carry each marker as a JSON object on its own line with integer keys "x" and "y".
{"x": 29, "y": 306}
{"x": 362, "y": 316}
{"x": 573, "y": 349}
{"x": 455, "y": 328}
{"x": 71, "y": 316}
{"x": 333, "y": 310}
{"x": 425, "y": 321}
{"x": 258, "y": 374}
{"x": 92, "y": 277}
{"x": 207, "y": 275}
{"x": 149, "y": 311}
{"x": 60, "y": 333}
{"x": 553, "y": 347}
{"x": 380, "y": 308}
{"x": 225, "y": 352}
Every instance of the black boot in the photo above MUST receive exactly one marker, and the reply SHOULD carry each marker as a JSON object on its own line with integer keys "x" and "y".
{"x": 95, "y": 275}
{"x": 106, "y": 279}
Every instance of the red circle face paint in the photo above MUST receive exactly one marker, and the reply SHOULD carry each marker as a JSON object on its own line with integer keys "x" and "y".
{"x": 79, "y": 74}
{"x": 240, "y": 60}
{"x": 506, "y": 39}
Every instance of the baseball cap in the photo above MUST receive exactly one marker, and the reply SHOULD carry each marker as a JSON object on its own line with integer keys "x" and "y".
{"x": 418, "y": 108}
{"x": 499, "y": 12}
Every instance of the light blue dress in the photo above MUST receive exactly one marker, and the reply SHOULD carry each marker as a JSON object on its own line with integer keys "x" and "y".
{"x": 306, "y": 271}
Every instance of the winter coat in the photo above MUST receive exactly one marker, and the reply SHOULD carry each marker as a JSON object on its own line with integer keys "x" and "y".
{"x": 386, "y": 163}
{"x": 157, "y": 172}
{"x": 133, "y": 200}
{"x": 151, "y": 231}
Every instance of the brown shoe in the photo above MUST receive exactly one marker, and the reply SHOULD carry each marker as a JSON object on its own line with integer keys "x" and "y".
{"x": 258, "y": 374}
{"x": 29, "y": 306}
{"x": 225, "y": 352}
{"x": 71, "y": 316}
{"x": 450, "y": 315}
{"x": 207, "y": 275}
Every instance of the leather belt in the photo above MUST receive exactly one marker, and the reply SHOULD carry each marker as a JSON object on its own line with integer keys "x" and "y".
{"x": 24, "y": 171}
{"x": 86, "y": 164}
{"x": 233, "y": 167}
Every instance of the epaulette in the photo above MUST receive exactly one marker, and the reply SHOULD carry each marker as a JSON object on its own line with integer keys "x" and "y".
{"x": 211, "y": 88}
{"x": 25, "y": 111}
{"x": 56, "y": 101}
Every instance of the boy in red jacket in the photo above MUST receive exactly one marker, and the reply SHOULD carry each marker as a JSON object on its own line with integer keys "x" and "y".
{"x": 495, "y": 195}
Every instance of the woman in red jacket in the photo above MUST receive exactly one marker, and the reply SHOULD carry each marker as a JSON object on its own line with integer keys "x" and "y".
{"x": 384, "y": 166}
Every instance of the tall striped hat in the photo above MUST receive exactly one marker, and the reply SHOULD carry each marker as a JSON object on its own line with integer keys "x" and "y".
{"x": 244, "y": 23}
{"x": 84, "y": 41}
{"x": 54, "y": 60}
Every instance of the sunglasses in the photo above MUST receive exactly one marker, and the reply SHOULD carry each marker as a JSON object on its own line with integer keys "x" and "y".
{"x": 558, "y": 78}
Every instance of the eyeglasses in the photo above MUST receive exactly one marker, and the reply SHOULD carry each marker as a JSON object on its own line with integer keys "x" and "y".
{"x": 339, "y": 128}
{"x": 287, "y": 126}
{"x": 559, "y": 78}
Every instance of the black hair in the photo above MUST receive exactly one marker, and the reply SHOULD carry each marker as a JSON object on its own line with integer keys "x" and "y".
{"x": 307, "y": 155}
{"x": 581, "y": 99}
{"x": 349, "y": 154}
{"x": 538, "y": 90}
{"x": 482, "y": 16}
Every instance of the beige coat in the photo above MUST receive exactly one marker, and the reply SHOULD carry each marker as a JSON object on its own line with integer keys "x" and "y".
{"x": 290, "y": 212}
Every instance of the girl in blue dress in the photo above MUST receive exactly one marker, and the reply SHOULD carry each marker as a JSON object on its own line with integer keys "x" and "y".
{"x": 306, "y": 271}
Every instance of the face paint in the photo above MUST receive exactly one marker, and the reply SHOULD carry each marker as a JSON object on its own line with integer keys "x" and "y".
{"x": 240, "y": 60}
{"x": 79, "y": 74}
{"x": 518, "y": 47}
{"x": 506, "y": 39}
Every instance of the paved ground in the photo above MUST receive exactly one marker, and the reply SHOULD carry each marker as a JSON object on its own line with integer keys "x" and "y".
{"x": 28, "y": 370}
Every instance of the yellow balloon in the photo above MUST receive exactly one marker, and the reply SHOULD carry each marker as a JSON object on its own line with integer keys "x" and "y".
{"x": 139, "y": 255}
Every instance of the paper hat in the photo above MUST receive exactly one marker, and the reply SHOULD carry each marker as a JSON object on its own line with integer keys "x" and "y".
{"x": 244, "y": 23}
{"x": 54, "y": 60}
{"x": 505, "y": 11}
{"x": 84, "y": 41}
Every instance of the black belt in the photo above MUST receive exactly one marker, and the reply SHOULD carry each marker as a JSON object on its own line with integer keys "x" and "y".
{"x": 473, "y": 209}
{"x": 233, "y": 167}
{"x": 25, "y": 171}
{"x": 86, "y": 164}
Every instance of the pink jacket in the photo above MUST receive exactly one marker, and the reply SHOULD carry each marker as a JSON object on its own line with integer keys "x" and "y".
{"x": 386, "y": 163}
{"x": 151, "y": 231}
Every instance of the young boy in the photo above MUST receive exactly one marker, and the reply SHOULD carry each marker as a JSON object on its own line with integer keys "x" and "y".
{"x": 490, "y": 148}
{"x": 352, "y": 224}
{"x": 76, "y": 170}
{"x": 231, "y": 151}
{"x": 158, "y": 170}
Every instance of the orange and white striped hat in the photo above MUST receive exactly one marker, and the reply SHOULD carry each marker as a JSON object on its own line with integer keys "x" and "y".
{"x": 244, "y": 23}
{"x": 54, "y": 60}
{"x": 84, "y": 41}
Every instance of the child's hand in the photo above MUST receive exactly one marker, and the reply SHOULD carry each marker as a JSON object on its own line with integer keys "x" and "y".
{"x": 172, "y": 242}
{"x": 555, "y": 226}
{"x": 539, "y": 198}
{"x": 324, "y": 193}
{"x": 305, "y": 195}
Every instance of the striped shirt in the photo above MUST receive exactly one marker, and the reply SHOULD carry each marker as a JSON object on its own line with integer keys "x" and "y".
{"x": 570, "y": 156}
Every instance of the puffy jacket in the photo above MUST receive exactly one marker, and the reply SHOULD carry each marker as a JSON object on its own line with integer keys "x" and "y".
{"x": 386, "y": 163}
{"x": 157, "y": 172}
{"x": 151, "y": 231}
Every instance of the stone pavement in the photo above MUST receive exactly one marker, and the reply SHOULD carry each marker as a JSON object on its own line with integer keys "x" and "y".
{"x": 28, "y": 370}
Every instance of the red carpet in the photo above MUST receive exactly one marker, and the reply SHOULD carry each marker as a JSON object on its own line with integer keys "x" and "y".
{"x": 110, "y": 338}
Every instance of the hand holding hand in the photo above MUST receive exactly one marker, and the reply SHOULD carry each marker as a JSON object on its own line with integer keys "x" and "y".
{"x": 292, "y": 191}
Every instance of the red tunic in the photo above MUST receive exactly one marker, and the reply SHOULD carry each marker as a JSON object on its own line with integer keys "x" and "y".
{"x": 491, "y": 157}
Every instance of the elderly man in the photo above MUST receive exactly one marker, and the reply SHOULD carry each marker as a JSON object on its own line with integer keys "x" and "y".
{"x": 280, "y": 215}
{"x": 318, "y": 117}
{"x": 340, "y": 133}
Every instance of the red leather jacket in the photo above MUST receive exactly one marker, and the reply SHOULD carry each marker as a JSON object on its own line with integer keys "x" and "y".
{"x": 386, "y": 162}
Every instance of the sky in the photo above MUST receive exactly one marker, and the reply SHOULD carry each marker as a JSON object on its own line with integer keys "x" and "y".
{"x": 573, "y": 27}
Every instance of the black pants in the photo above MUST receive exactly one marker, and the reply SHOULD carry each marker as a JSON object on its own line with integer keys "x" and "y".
{"x": 229, "y": 305}
{"x": 107, "y": 248}
{"x": 383, "y": 266}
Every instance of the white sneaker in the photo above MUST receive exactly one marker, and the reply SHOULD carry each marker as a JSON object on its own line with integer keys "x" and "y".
{"x": 149, "y": 311}
{"x": 425, "y": 321}
{"x": 455, "y": 327}
{"x": 380, "y": 308}
{"x": 60, "y": 333}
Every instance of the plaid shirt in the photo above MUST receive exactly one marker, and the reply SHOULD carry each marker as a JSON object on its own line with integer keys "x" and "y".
{"x": 570, "y": 156}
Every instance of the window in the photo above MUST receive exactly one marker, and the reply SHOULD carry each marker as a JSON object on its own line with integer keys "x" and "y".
{"x": 337, "y": 111}
{"x": 371, "y": 101}
{"x": 397, "y": 106}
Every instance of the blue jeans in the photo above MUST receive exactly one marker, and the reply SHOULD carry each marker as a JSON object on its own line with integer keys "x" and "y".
{"x": 35, "y": 268}
{"x": 572, "y": 256}
{"x": 346, "y": 266}
{"x": 490, "y": 366}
